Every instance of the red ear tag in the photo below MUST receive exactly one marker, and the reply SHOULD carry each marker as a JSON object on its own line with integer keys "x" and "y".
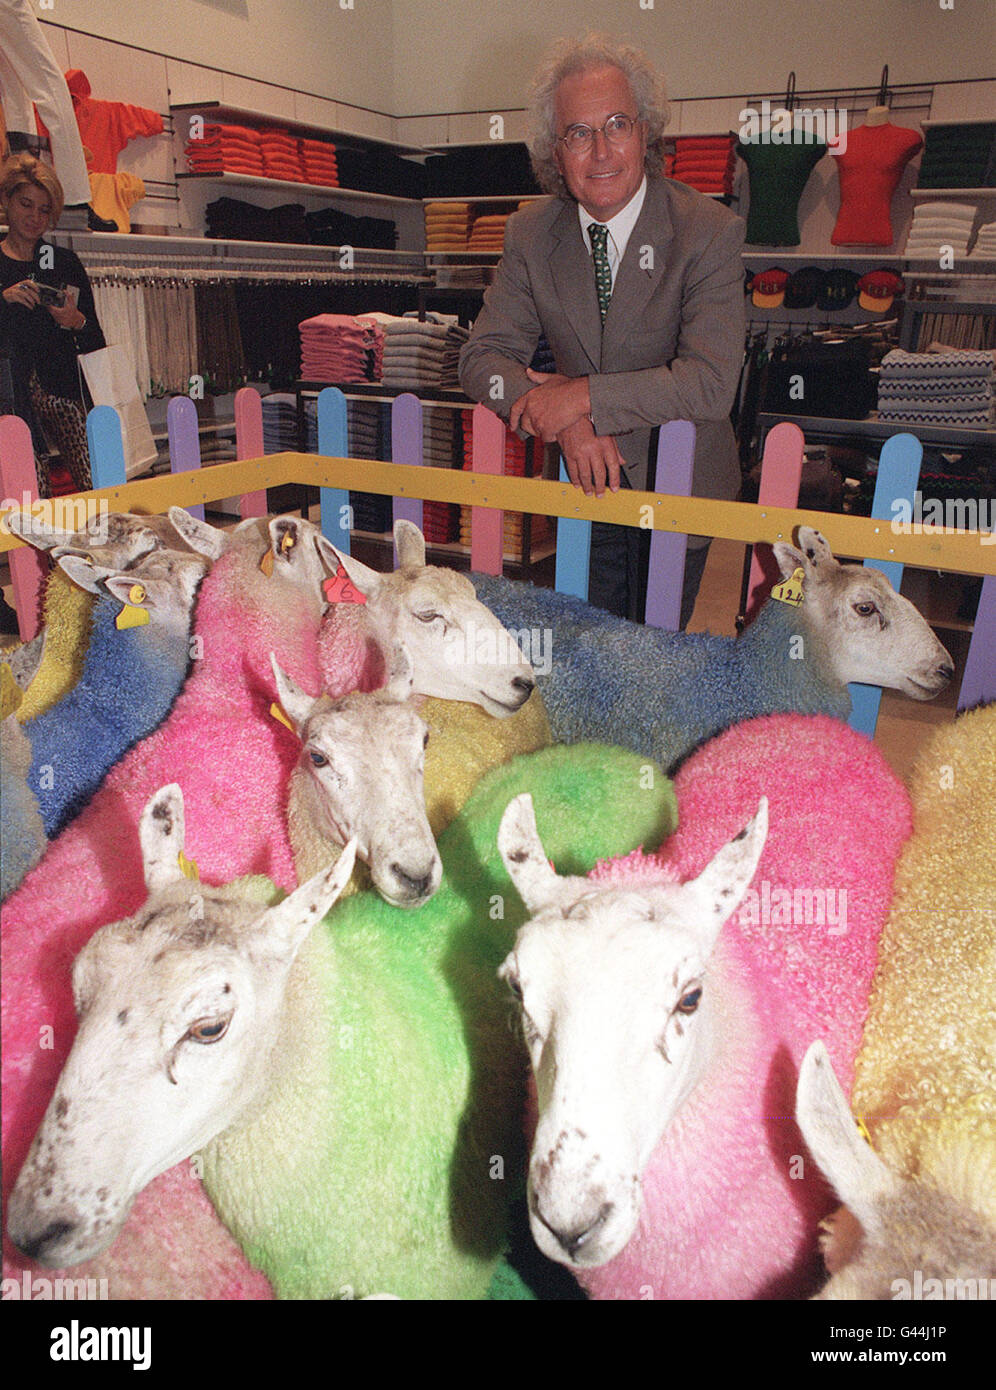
{"x": 339, "y": 588}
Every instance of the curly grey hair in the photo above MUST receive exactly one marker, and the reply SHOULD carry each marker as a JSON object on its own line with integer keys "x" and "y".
{"x": 577, "y": 55}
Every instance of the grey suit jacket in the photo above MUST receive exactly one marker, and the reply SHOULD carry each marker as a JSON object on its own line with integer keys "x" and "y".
{"x": 672, "y": 344}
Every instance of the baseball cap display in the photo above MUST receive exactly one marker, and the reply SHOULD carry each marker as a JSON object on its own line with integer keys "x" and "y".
{"x": 768, "y": 287}
{"x": 838, "y": 289}
{"x": 878, "y": 289}
{"x": 803, "y": 287}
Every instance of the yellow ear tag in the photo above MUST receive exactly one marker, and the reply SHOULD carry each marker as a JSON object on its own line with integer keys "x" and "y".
{"x": 11, "y": 693}
{"x": 278, "y": 713}
{"x": 266, "y": 564}
{"x": 863, "y": 1130}
{"x": 790, "y": 590}
{"x": 288, "y": 542}
{"x": 187, "y": 866}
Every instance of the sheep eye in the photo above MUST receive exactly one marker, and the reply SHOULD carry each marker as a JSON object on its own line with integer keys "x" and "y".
{"x": 208, "y": 1030}
{"x": 428, "y": 617}
{"x": 319, "y": 759}
{"x": 689, "y": 1002}
{"x": 425, "y": 739}
{"x": 865, "y": 609}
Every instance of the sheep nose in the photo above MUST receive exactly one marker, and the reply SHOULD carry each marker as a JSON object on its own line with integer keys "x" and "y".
{"x": 525, "y": 685}
{"x": 945, "y": 671}
{"x": 414, "y": 886}
{"x": 572, "y": 1241}
{"x": 35, "y": 1246}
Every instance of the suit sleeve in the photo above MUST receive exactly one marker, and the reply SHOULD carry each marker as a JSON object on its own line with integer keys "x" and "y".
{"x": 700, "y": 382}
{"x": 504, "y": 337}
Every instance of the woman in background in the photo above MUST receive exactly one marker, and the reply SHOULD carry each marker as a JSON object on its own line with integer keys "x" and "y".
{"x": 47, "y": 318}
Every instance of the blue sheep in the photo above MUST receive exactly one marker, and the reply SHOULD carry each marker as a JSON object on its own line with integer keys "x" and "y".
{"x": 663, "y": 693}
{"x": 131, "y": 675}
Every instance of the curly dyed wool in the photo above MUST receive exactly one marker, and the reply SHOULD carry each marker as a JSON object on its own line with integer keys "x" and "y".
{"x": 66, "y": 615}
{"x": 662, "y": 693}
{"x": 925, "y": 1080}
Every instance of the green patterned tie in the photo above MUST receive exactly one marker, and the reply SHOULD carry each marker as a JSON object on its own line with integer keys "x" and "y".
{"x": 599, "y": 235}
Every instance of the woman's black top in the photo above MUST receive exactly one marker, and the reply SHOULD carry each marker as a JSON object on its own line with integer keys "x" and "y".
{"x": 32, "y": 338}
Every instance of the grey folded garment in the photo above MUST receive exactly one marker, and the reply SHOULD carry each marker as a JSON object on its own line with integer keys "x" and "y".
{"x": 969, "y": 405}
{"x": 937, "y": 417}
{"x": 915, "y": 365}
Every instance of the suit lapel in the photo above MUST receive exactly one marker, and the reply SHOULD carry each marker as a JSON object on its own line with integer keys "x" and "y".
{"x": 635, "y": 283}
{"x": 574, "y": 279}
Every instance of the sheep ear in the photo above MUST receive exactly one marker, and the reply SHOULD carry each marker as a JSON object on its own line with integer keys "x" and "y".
{"x": 161, "y": 835}
{"x": 282, "y": 929}
{"x": 858, "y": 1175}
{"x": 37, "y": 533}
{"x": 523, "y": 854}
{"x": 400, "y": 675}
{"x": 129, "y": 590}
{"x": 409, "y": 544}
{"x": 368, "y": 581}
{"x": 817, "y": 555}
{"x": 789, "y": 559}
{"x": 199, "y": 535}
{"x": 720, "y": 887}
{"x": 294, "y": 701}
{"x": 85, "y": 573}
{"x": 25, "y": 660}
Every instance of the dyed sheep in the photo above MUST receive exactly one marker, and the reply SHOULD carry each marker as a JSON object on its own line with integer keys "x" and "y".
{"x": 128, "y": 683}
{"x": 667, "y": 1063}
{"x": 66, "y": 618}
{"x": 237, "y": 759}
{"x": 663, "y": 693}
{"x": 923, "y": 1197}
{"x": 311, "y": 1176}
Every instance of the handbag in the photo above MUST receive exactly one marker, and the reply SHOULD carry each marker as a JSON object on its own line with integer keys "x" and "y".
{"x": 110, "y": 379}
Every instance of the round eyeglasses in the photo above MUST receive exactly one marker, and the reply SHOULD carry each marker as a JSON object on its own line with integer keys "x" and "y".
{"x": 617, "y": 130}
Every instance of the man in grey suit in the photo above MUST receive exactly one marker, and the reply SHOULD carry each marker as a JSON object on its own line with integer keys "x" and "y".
{"x": 645, "y": 318}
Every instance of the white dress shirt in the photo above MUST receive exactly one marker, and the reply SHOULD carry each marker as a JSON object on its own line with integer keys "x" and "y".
{"x": 620, "y": 228}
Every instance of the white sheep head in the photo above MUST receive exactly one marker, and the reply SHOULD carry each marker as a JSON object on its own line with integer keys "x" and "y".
{"x": 114, "y": 540}
{"x": 896, "y": 1237}
{"x": 867, "y": 632}
{"x": 163, "y": 583}
{"x": 179, "y": 1008}
{"x": 459, "y": 649}
{"x": 363, "y": 758}
{"x": 619, "y": 1023}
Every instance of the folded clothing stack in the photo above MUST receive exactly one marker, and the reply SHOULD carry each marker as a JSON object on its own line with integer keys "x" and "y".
{"x": 226, "y": 149}
{"x": 330, "y": 227}
{"x": 936, "y": 388}
{"x": 421, "y": 353}
{"x": 959, "y": 156}
{"x": 985, "y": 242}
{"x": 234, "y": 220}
{"x": 939, "y": 224}
{"x": 280, "y": 424}
{"x": 705, "y": 162}
{"x": 441, "y": 447}
{"x": 447, "y": 226}
{"x": 488, "y": 232}
{"x": 318, "y": 162}
{"x": 341, "y": 348}
{"x": 369, "y": 426}
{"x": 281, "y": 156}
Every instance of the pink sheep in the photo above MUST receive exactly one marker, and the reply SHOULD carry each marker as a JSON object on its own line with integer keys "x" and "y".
{"x": 235, "y": 760}
{"x": 666, "y": 1045}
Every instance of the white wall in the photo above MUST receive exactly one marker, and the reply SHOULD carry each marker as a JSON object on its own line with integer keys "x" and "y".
{"x": 310, "y": 45}
{"x": 472, "y": 55}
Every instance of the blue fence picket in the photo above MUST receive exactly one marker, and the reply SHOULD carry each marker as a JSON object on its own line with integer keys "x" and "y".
{"x": 898, "y": 475}
{"x": 106, "y": 445}
{"x": 333, "y": 442}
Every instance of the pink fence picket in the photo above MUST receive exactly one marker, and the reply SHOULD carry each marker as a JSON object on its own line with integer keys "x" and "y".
{"x": 20, "y": 486}
{"x": 781, "y": 476}
{"x": 487, "y": 523}
{"x": 249, "y": 445}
